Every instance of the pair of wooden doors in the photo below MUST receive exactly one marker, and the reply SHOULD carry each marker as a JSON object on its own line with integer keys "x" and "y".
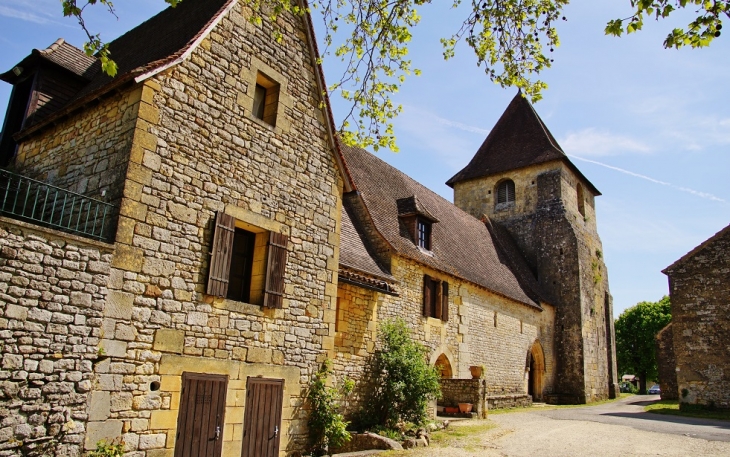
{"x": 202, "y": 414}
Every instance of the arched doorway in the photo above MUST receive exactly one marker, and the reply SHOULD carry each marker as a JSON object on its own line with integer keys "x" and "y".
{"x": 535, "y": 368}
{"x": 444, "y": 366}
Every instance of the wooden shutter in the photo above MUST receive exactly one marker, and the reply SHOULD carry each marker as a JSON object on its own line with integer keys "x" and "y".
{"x": 275, "y": 268}
{"x": 445, "y": 301}
{"x": 437, "y": 300}
{"x": 220, "y": 254}
{"x": 201, "y": 415}
{"x": 427, "y": 296}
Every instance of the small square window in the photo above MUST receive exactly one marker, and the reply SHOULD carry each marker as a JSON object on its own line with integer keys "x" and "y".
{"x": 265, "y": 99}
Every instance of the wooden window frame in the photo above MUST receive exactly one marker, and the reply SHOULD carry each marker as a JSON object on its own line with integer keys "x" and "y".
{"x": 435, "y": 298}
{"x": 221, "y": 255}
{"x": 267, "y": 109}
{"x": 423, "y": 233}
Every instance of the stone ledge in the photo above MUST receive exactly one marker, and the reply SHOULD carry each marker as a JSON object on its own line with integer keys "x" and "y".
{"x": 55, "y": 234}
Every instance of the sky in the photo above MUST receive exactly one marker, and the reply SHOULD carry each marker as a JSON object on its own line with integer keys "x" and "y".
{"x": 649, "y": 127}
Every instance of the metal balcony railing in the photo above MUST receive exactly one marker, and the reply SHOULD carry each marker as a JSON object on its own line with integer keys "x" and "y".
{"x": 43, "y": 204}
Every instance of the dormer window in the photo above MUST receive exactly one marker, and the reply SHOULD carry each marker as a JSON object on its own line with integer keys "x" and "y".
{"x": 506, "y": 192}
{"x": 424, "y": 234}
{"x": 416, "y": 222}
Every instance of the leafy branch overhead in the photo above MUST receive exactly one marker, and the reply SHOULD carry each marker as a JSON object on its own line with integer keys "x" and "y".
{"x": 512, "y": 39}
{"x": 700, "y": 32}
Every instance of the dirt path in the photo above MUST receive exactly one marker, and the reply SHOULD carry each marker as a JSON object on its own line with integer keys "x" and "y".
{"x": 616, "y": 429}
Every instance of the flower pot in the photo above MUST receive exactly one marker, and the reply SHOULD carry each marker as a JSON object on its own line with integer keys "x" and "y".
{"x": 465, "y": 408}
{"x": 451, "y": 410}
{"x": 476, "y": 372}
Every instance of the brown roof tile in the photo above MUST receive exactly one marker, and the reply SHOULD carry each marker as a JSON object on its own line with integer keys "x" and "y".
{"x": 62, "y": 54}
{"x": 461, "y": 245}
{"x": 519, "y": 139}
{"x": 356, "y": 252}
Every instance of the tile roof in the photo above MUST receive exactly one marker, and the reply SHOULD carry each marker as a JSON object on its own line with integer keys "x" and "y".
{"x": 356, "y": 250}
{"x": 62, "y": 54}
{"x": 519, "y": 139}
{"x": 462, "y": 246}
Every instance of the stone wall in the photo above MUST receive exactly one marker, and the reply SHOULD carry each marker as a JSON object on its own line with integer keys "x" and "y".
{"x": 471, "y": 337}
{"x": 52, "y": 291}
{"x": 87, "y": 155}
{"x": 699, "y": 287}
{"x": 474, "y": 391}
{"x": 193, "y": 148}
{"x": 667, "y": 364}
{"x": 198, "y": 150}
{"x": 509, "y": 401}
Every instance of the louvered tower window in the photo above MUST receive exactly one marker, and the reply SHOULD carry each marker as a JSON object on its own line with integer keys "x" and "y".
{"x": 506, "y": 191}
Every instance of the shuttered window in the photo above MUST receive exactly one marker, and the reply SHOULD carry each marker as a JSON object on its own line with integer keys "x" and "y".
{"x": 233, "y": 257}
{"x": 506, "y": 191}
{"x": 435, "y": 298}
{"x": 220, "y": 254}
{"x": 274, "y": 293}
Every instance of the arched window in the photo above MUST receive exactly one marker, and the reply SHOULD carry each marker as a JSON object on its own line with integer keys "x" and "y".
{"x": 581, "y": 201}
{"x": 506, "y": 191}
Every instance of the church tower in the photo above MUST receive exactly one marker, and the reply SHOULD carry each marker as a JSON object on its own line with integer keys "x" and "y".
{"x": 521, "y": 179}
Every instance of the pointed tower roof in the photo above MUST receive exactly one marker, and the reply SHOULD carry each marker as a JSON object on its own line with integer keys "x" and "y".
{"x": 519, "y": 139}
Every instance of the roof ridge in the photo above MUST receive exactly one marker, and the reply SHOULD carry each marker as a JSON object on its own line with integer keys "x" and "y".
{"x": 694, "y": 251}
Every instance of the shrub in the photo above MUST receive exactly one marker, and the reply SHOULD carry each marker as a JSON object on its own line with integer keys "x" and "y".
{"x": 402, "y": 381}
{"x": 327, "y": 427}
{"x": 104, "y": 449}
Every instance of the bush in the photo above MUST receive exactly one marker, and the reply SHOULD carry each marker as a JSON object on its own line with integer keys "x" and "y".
{"x": 327, "y": 427}
{"x": 403, "y": 382}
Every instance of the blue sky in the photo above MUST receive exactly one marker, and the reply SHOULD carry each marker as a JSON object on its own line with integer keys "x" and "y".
{"x": 649, "y": 127}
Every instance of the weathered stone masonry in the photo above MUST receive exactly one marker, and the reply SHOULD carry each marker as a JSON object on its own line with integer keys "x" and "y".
{"x": 52, "y": 295}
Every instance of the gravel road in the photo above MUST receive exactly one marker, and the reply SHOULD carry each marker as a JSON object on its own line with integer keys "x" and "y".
{"x": 619, "y": 428}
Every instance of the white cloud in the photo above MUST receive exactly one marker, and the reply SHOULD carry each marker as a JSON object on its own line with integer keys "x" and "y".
{"x": 441, "y": 136}
{"x": 23, "y": 15}
{"x": 598, "y": 143}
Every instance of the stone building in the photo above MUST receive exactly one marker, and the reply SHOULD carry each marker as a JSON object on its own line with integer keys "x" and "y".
{"x": 666, "y": 364}
{"x": 699, "y": 289}
{"x": 509, "y": 277}
{"x": 171, "y": 261}
{"x": 209, "y": 287}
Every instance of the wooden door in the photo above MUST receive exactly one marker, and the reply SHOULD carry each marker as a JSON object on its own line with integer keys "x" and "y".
{"x": 201, "y": 415}
{"x": 262, "y": 420}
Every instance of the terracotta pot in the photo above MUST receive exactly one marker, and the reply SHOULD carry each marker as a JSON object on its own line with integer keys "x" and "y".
{"x": 465, "y": 408}
{"x": 476, "y": 372}
{"x": 451, "y": 410}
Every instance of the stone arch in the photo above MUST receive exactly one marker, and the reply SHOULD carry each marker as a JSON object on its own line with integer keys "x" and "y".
{"x": 535, "y": 368}
{"x": 441, "y": 359}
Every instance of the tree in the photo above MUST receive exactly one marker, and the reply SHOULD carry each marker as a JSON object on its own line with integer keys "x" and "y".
{"x": 327, "y": 426}
{"x": 636, "y": 329}
{"x": 512, "y": 41}
{"x": 401, "y": 379}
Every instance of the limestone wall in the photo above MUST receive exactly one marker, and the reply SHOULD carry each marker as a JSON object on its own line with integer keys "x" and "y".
{"x": 198, "y": 150}
{"x": 469, "y": 338}
{"x": 700, "y": 295}
{"x": 87, "y": 153}
{"x": 52, "y": 291}
{"x": 455, "y": 391}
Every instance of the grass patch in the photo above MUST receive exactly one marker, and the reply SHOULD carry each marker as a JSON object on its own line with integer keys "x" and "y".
{"x": 455, "y": 432}
{"x": 671, "y": 408}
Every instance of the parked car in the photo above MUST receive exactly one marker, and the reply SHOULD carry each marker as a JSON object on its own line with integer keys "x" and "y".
{"x": 654, "y": 390}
